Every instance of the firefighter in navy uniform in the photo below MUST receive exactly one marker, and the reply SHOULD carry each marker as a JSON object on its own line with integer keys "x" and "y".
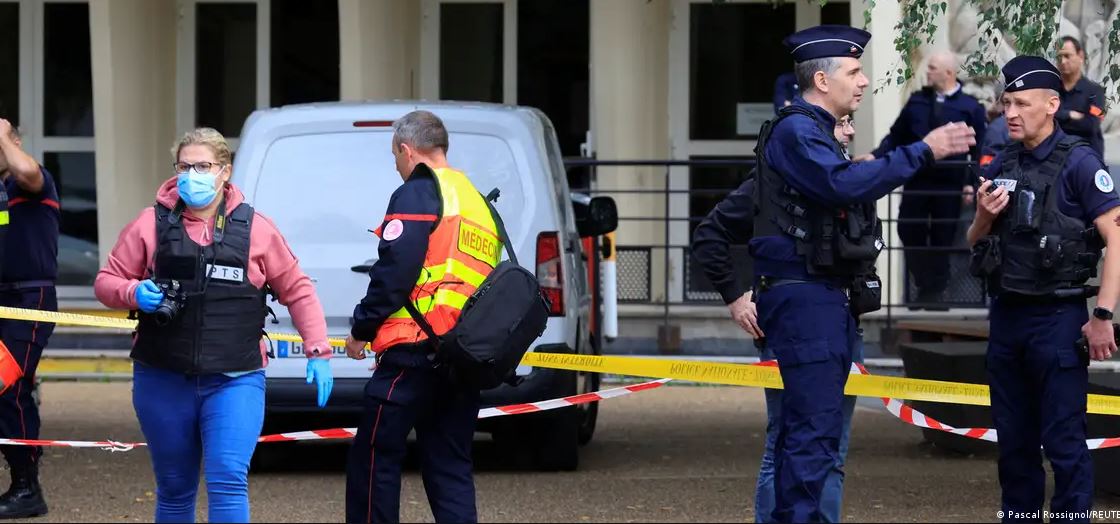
{"x": 816, "y": 240}
{"x": 1047, "y": 207}
{"x": 30, "y": 267}
{"x": 421, "y": 261}
{"x": 1083, "y": 100}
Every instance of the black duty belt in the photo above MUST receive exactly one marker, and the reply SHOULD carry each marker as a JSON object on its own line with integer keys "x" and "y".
{"x": 766, "y": 283}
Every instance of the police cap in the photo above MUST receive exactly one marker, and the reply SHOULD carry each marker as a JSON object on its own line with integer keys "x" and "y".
{"x": 825, "y": 41}
{"x": 1031, "y": 72}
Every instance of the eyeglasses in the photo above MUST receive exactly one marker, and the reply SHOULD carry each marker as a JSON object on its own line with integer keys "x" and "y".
{"x": 200, "y": 167}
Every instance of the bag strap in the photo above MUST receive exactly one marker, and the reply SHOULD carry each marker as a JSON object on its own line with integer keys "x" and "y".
{"x": 503, "y": 237}
{"x": 424, "y": 325}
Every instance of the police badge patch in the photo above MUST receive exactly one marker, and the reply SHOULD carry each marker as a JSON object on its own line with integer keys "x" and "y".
{"x": 1103, "y": 181}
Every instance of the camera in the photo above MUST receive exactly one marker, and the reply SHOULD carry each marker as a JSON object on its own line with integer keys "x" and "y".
{"x": 172, "y": 302}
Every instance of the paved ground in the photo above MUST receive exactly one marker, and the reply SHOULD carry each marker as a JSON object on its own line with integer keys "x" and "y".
{"x": 676, "y": 454}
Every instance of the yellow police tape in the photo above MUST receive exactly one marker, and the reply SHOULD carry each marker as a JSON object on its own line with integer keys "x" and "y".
{"x": 696, "y": 371}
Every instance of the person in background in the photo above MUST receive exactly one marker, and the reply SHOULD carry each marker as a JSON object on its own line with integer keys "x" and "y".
{"x": 1083, "y": 100}
{"x": 931, "y": 201}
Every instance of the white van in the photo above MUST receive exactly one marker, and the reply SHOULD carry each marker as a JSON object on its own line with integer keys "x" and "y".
{"x": 324, "y": 174}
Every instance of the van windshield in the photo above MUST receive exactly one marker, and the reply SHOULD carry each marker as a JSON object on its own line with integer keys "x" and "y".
{"x": 326, "y": 191}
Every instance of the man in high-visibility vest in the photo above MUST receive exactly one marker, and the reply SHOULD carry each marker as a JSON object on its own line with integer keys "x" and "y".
{"x": 438, "y": 243}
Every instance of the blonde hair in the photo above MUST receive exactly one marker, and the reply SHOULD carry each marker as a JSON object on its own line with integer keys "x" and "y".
{"x": 205, "y": 136}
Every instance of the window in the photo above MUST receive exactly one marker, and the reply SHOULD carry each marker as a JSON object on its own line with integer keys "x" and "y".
{"x": 471, "y": 61}
{"x": 67, "y": 77}
{"x": 74, "y": 176}
{"x": 225, "y": 65}
{"x": 711, "y": 184}
{"x": 304, "y": 63}
{"x": 836, "y": 13}
{"x": 9, "y": 62}
{"x": 733, "y": 62}
{"x": 59, "y": 130}
{"x": 556, "y": 78}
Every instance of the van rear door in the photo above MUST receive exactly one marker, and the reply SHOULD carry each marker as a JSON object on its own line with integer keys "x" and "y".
{"x": 325, "y": 191}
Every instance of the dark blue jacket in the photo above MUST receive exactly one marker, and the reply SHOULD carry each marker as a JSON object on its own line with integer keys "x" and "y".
{"x": 1086, "y": 97}
{"x": 1085, "y": 189}
{"x": 730, "y": 222}
{"x": 31, "y": 251}
{"x": 414, "y": 211}
{"x": 804, "y": 153}
{"x": 927, "y": 110}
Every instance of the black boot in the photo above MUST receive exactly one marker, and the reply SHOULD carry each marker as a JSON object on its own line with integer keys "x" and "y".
{"x": 25, "y": 497}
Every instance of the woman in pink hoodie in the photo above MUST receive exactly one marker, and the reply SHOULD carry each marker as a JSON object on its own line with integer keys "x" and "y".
{"x": 198, "y": 266}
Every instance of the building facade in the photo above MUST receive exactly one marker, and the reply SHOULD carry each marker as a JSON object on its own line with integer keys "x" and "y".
{"x": 101, "y": 89}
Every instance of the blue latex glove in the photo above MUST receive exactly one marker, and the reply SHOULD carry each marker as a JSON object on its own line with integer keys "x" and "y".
{"x": 319, "y": 371}
{"x": 148, "y": 296}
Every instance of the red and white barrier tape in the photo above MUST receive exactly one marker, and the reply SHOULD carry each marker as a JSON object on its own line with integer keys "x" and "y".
{"x": 916, "y": 418}
{"x": 342, "y": 433}
{"x": 896, "y": 407}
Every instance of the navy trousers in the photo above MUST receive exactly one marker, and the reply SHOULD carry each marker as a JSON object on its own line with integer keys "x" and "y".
{"x": 19, "y": 414}
{"x": 810, "y": 330}
{"x": 406, "y": 393}
{"x": 1038, "y": 387}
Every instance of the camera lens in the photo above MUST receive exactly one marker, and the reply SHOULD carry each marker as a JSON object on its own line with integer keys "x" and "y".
{"x": 165, "y": 312}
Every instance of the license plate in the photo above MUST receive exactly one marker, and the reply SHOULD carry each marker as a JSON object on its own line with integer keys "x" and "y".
{"x": 285, "y": 349}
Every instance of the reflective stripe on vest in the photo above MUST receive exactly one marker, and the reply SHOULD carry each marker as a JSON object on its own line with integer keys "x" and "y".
{"x": 4, "y": 218}
{"x": 462, "y": 250}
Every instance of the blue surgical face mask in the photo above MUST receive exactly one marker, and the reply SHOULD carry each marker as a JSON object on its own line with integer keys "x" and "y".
{"x": 196, "y": 189}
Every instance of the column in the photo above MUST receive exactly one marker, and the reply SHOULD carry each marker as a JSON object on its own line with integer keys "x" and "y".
{"x": 133, "y": 48}
{"x": 629, "y": 108}
{"x": 874, "y": 119}
{"x": 379, "y": 49}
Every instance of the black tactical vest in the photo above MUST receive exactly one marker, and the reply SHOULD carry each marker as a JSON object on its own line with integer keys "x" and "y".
{"x": 1041, "y": 251}
{"x": 836, "y": 242}
{"x": 221, "y": 319}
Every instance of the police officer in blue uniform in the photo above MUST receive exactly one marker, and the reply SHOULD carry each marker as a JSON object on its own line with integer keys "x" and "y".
{"x": 30, "y": 268}
{"x": 1047, "y": 207}
{"x": 731, "y": 222}
{"x": 931, "y": 201}
{"x": 785, "y": 90}
{"x": 815, "y": 241}
{"x": 1083, "y": 100}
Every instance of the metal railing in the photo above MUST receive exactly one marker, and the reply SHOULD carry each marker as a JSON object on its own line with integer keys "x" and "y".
{"x": 666, "y": 235}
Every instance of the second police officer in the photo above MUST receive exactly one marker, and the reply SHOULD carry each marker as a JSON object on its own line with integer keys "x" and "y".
{"x": 816, "y": 236}
{"x": 1047, "y": 206}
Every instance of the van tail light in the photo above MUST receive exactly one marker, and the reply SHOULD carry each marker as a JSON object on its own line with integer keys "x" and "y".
{"x": 550, "y": 272}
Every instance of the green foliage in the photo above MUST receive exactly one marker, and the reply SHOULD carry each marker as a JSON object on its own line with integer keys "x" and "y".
{"x": 1029, "y": 26}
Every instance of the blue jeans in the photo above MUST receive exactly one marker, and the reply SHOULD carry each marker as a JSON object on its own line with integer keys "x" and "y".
{"x": 191, "y": 421}
{"x": 834, "y": 487}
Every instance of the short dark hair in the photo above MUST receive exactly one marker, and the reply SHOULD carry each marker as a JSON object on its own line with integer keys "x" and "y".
{"x": 1076, "y": 43}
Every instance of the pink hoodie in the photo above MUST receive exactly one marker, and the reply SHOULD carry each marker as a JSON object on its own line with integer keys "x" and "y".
{"x": 270, "y": 261}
